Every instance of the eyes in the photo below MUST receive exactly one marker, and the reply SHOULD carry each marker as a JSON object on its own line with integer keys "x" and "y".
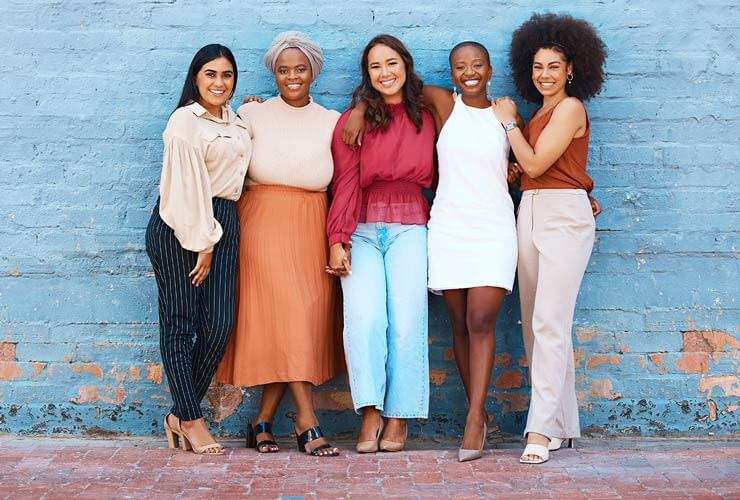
{"x": 284, "y": 70}
{"x": 391, "y": 64}
{"x": 212, "y": 74}
{"x": 552, "y": 66}
{"x": 478, "y": 66}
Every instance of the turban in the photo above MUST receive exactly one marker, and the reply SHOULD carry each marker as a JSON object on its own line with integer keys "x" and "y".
{"x": 295, "y": 40}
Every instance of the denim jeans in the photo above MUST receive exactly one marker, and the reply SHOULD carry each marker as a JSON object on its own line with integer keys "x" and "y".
{"x": 386, "y": 319}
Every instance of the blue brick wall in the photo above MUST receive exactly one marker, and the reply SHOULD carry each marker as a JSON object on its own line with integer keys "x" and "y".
{"x": 87, "y": 88}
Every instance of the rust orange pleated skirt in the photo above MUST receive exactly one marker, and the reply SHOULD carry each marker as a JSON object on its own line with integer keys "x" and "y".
{"x": 288, "y": 318}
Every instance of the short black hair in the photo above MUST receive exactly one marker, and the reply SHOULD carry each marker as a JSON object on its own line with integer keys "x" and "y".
{"x": 470, "y": 43}
{"x": 576, "y": 39}
{"x": 203, "y": 56}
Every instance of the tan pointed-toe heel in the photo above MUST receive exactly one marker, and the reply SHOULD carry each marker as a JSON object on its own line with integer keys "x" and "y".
{"x": 373, "y": 445}
{"x": 393, "y": 446}
{"x": 464, "y": 455}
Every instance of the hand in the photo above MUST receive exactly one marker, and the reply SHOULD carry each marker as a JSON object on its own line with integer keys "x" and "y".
{"x": 252, "y": 98}
{"x": 339, "y": 260}
{"x": 595, "y": 206}
{"x": 202, "y": 267}
{"x": 354, "y": 128}
{"x": 513, "y": 173}
{"x": 504, "y": 109}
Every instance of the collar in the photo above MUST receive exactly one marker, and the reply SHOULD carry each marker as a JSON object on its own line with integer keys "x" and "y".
{"x": 227, "y": 113}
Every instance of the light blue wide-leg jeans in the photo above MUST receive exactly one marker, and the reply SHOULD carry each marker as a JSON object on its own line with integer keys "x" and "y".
{"x": 386, "y": 319}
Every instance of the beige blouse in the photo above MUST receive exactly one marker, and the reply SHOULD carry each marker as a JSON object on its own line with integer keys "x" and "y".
{"x": 292, "y": 146}
{"x": 205, "y": 157}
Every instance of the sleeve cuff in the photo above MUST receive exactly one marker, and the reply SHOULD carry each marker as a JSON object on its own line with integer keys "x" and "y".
{"x": 338, "y": 238}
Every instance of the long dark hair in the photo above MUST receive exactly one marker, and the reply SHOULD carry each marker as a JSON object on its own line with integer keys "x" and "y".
{"x": 377, "y": 113}
{"x": 203, "y": 56}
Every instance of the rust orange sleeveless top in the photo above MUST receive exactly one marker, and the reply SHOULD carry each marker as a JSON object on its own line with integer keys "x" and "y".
{"x": 568, "y": 171}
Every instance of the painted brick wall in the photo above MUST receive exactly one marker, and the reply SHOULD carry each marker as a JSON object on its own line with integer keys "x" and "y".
{"x": 86, "y": 89}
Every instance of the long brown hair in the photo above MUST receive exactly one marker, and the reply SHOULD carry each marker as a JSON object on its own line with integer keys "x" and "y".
{"x": 377, "y": 113}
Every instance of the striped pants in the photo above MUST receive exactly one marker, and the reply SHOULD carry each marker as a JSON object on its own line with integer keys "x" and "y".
{"x": 194, "y": 322}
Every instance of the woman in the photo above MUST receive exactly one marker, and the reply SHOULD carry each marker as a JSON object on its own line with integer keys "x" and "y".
{"x": 284, "y": 336}
{"x": 193, "y": 236}
{"x": 379, "y": 215}
{"x": 472, "y": 234}
{"x": 557, "y": 62}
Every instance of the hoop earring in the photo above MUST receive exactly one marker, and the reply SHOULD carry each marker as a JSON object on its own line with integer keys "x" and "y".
{"x": 570, "y": 78}
{"x": 454, "y": 92}
{"x": 488, "y": 89}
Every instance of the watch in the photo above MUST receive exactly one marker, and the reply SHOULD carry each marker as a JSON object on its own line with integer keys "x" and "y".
{"x": 510, "y": 126}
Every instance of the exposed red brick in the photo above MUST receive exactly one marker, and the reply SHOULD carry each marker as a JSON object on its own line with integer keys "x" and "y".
{"x": 336, "y": 400}
{"x": 154, "y": 372}
{"x": 600, "y": 359}
{"x": 90, "y": 368}
{"x": 712, "y": 410}
{"x": 38, "y": 368}
{"x": 437, "y": 377}
{"x": 578, "y": 356}
{"x": 224, "y": 400}
{"x": 709, "y": 341}
{"x": 503, "y": 359}
{"x": 449, "y": 354}
{"x": 119, "y": 395}
{"x": 602, "y": 388}
{"x": 523, "y": 361}
{"x": 585, "y": 334}
{"x": 9, "y": 370}
{"x": 657, "y": 360}
{"x": 509, "y": 379}
{"x": 693, "y": 362}
{"x": 730, "y": 384}
{"x": 134, "y": 373}
{"x": 86, "y": 394}
{"x": 7, "y": 351}
{"x": 512, "y": 402}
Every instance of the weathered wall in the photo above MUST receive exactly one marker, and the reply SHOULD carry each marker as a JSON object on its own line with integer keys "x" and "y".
{"x": 86, "y": 90}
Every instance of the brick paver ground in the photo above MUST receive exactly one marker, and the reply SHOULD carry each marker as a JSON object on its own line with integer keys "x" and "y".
{"x": 145, "y": 468}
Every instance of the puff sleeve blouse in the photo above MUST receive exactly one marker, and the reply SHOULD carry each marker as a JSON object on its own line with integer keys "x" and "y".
{"x": 205, "y": 157}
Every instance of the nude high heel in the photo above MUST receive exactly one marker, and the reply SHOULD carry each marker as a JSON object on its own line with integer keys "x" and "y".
{"x": 464, "y": 455}
{"x": 393, "y": 446}
{"x": 373, "y": 445}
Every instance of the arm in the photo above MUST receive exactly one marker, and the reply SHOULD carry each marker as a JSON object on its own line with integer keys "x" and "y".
{"x": 566, "y": 120}
{"x": 344, "y": 211}
{"x": 354, "y": 127}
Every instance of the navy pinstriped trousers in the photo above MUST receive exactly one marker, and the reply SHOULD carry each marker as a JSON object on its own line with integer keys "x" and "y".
{"x": 194, "y": 322}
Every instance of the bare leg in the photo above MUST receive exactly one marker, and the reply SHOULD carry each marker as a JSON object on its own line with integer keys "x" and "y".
{"x": 272, "y": 394}
{"x": 395, "y": 430}
{"x": 483, "y": 305}
{"x": 371, "y": 422}
{"x": 456, "y": 305}
{"x": 303, "y": 398}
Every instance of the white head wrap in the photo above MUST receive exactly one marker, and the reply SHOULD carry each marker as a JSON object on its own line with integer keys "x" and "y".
{"x": 295, "y": 40}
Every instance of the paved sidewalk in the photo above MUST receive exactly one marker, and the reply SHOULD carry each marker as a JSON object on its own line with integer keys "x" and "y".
{"x": 144, "y": 468}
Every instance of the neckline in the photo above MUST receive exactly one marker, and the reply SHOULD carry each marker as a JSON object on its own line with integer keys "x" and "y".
{"x": 459, "y": 98}
{"x": 294, "y": 108}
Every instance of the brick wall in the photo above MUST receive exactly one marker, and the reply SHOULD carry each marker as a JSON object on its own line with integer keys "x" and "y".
{"x": 87, "y": 88}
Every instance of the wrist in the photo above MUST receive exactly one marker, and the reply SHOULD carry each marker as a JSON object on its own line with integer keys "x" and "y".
{"x": 509, "y": 125}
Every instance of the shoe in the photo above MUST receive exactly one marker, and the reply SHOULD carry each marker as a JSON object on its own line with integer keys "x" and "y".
{"x": 312, "y": 434}
{"x": 373, "y": 445}
{"x": 175, "y": 436}
{"x": 393, "y": 446}
{"x": 537, "y": 450}
{"x": 556, "y": 443}
{"x": 464, "y": 455}
{"x": 265, "y": 445}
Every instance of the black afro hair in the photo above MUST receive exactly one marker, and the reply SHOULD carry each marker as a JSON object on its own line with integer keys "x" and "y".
{"x": 576, "y": 39}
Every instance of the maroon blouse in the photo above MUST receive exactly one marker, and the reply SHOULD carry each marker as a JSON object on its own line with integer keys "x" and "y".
{"x": 381, "y": 181}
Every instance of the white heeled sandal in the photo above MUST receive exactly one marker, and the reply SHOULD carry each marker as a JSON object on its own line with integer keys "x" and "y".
{"x": 536, "y": 450}
{"x": 556, "y": 443}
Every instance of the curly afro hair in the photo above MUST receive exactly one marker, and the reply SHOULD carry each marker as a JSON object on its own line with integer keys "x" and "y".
{"x": 574, "y": 38}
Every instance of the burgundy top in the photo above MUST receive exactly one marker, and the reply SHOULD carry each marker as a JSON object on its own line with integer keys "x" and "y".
{"x": 381, "y": 181}
{"x": 568, "y": 171}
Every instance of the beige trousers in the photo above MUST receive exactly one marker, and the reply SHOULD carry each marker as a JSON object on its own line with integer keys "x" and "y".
{"x": 555, "y": 235}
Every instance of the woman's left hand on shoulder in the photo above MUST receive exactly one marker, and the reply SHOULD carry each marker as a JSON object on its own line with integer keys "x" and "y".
{"x": 505, "y": 110}
{"x": 252, "y": 98}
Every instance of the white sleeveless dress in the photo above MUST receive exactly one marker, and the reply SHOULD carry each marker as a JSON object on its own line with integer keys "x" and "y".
{"x": 472, "y": 229}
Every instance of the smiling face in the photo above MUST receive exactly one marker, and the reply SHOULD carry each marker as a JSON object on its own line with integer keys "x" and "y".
{"x": 293, "y": 77}
{"x": 471, "y": 70}
{"x": 215, "y": 82}
{"x": 550, "y": 71}
{"x": 387, "y": 73}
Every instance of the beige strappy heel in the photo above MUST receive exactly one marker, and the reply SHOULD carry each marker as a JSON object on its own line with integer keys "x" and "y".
{"x": 176, "y": 436}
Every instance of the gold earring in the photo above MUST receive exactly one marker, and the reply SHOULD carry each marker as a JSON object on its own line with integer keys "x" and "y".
{"x": 570, "y": 78}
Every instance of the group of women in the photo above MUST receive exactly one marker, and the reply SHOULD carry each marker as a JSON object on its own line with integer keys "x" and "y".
{"x": 264, "y": 309}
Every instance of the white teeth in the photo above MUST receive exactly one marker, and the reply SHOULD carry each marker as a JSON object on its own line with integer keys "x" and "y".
{"x": 387, "y": 83}
{"x": 217, "y": 92}
{"x": 294, "y": 86}
{"x": 471, "y": 83}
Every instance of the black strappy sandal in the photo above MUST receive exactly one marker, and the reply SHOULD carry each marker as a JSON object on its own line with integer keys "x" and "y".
{"x": 312, "y": 434}
{"x": 264, "y": 446}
